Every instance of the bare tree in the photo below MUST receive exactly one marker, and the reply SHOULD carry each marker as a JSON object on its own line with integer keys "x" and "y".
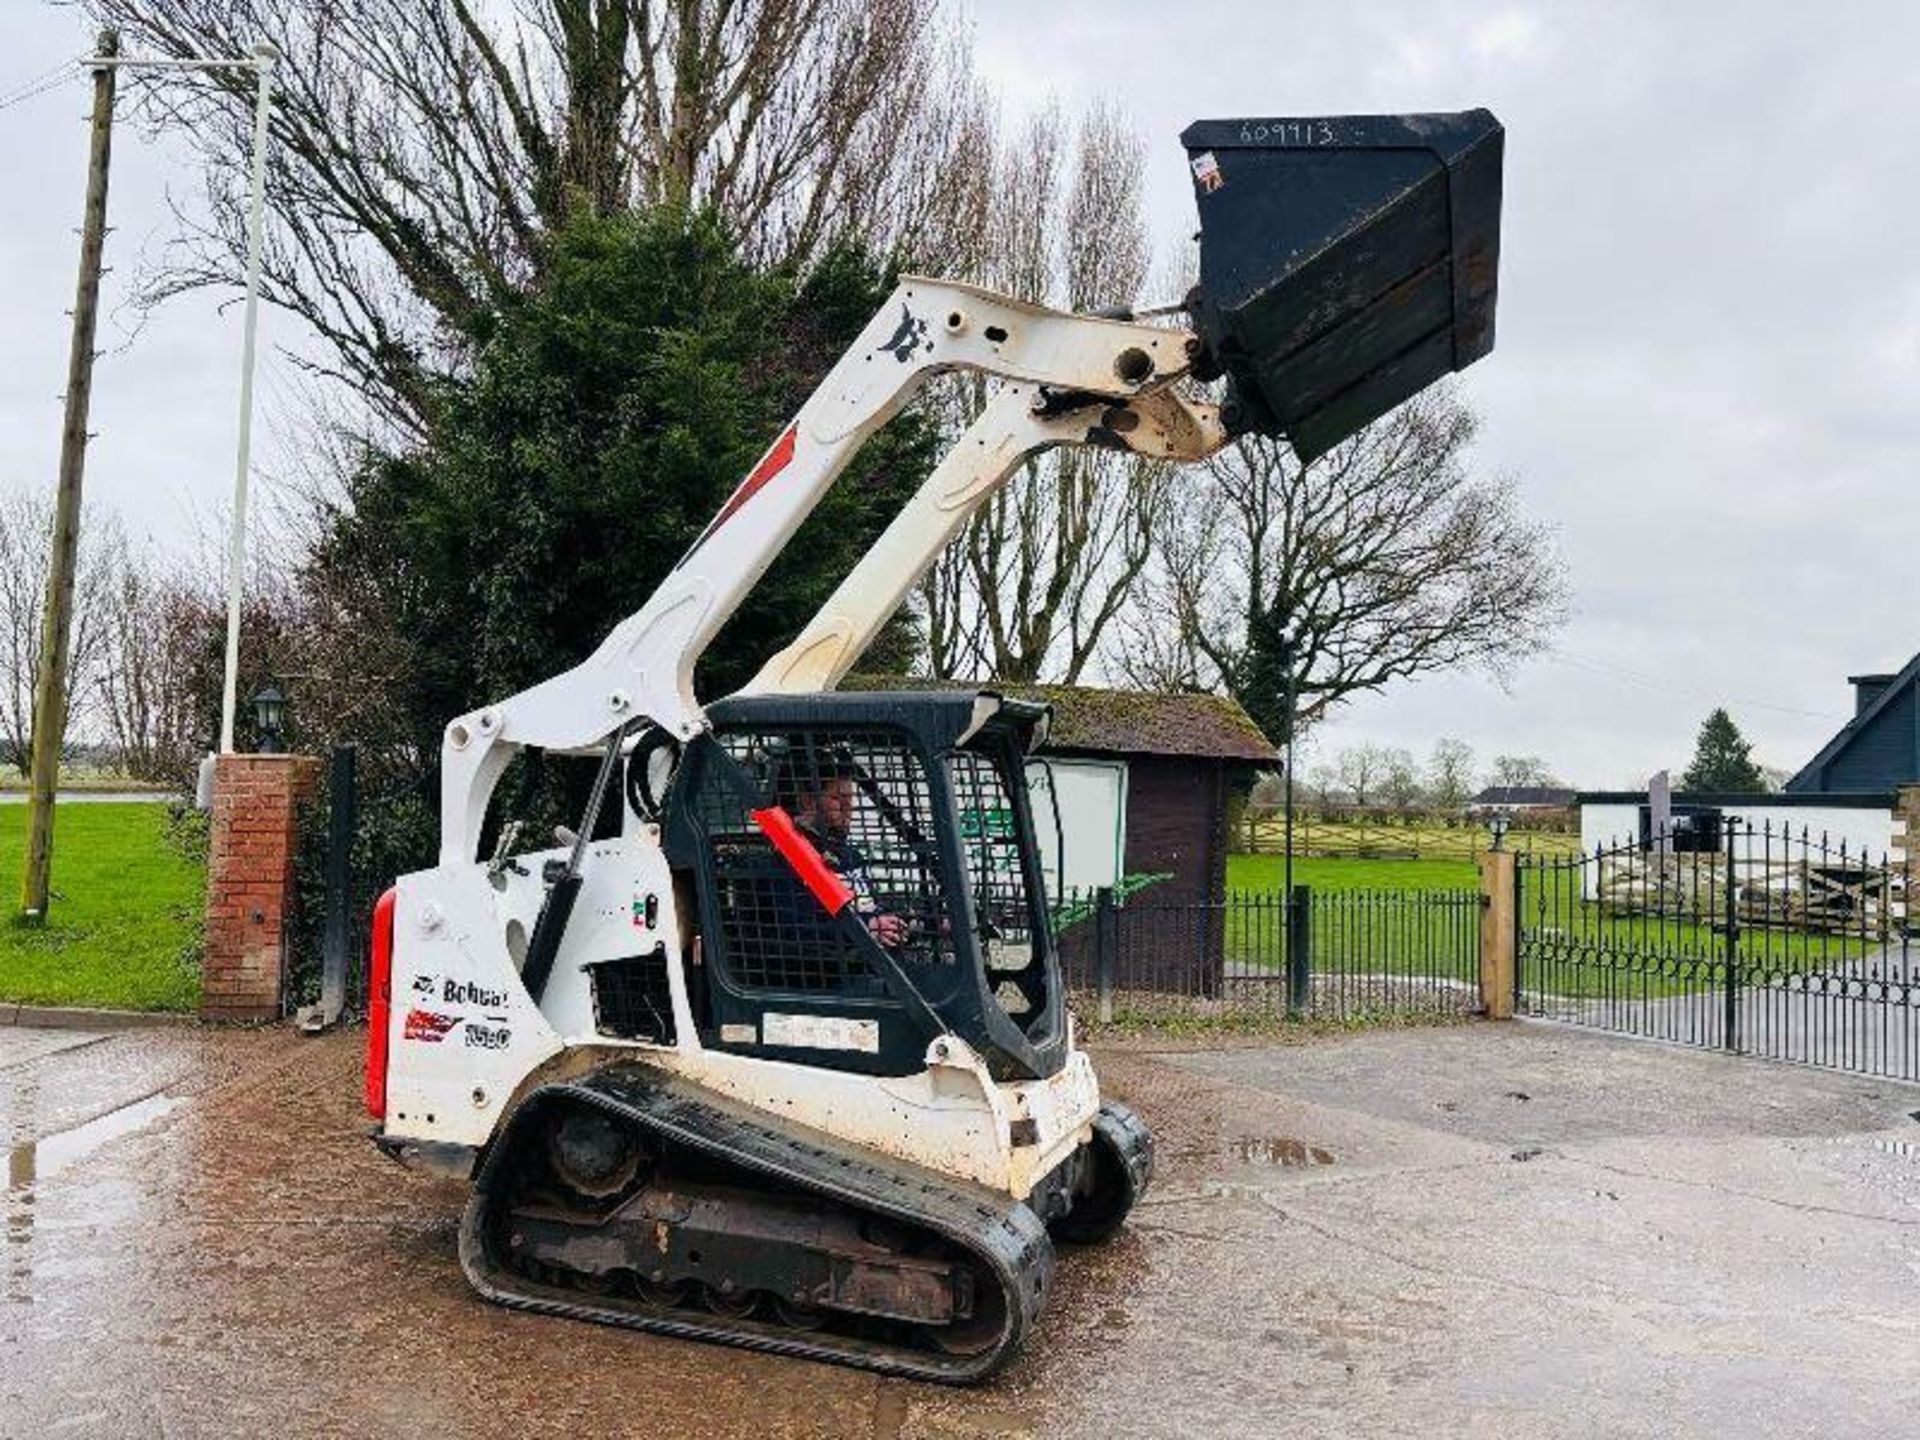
{"x": 1399, "y": 779}
{"x": 1361, "y": 769}
{"x": 26, "y": 525}
{"x": 157, "y": 626}
{"x": 1518, "y": 771}
{"x": 1041, "y": 572}
{"x": 1385, "y": 559}
{"x": 1323, "y": 784}
{"x": 1450, "y": 773}
{"x": 421, "y": 150}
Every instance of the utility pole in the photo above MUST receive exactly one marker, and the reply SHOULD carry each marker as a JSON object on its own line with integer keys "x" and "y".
{"x": 50, "y": 680}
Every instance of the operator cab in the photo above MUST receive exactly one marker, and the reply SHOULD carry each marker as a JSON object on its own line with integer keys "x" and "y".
{"x": 917, "y": 804}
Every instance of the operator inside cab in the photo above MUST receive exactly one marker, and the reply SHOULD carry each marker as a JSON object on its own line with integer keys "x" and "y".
{"x": 821, "y": 798}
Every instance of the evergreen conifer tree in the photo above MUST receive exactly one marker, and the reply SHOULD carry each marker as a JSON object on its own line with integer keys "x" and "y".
{"x": 1722, "y": 759}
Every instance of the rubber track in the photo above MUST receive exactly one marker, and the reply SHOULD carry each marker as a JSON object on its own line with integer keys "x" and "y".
{"x": 1004, "y": 1235}
{"x": 1132, "y": 1142}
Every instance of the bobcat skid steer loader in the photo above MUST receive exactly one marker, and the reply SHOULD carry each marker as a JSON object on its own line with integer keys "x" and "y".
{"x": 773, "y": 1049}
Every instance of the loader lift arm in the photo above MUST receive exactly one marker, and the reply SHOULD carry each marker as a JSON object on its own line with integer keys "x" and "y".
{"x": 1017, "y": 423}
{"x": 1069, "y": 379}
{"x": 1345, "y": 264}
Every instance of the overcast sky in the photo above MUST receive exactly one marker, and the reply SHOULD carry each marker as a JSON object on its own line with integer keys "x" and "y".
{"x": 165, "y": 394}
{"x": 1709, "y": 326}
{"x": 1708, "y": 363}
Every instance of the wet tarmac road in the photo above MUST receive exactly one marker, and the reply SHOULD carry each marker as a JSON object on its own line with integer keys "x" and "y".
{"x": 1488, "y": 1229}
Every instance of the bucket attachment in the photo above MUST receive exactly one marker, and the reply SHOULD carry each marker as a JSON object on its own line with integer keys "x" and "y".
{"x": 1345, "y": 263}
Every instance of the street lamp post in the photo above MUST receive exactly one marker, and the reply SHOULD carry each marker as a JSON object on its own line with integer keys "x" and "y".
{"x": 261, "y": 60}
{"x": 269, "y": 715}
{"x": 1286, "y": 651}
{"x": 1299, "y": 975}
{"x": 263, "y": 57}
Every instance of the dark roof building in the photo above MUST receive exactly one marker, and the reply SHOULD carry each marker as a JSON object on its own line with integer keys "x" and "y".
{"x": 1879, "y": 748}
{"x": 1120, "y": 722}
{"x": 1185, "y": 757}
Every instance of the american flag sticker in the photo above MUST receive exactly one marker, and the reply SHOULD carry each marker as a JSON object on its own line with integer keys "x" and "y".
{"x": 1206, "y": 170}
{"x": 428, "y": 1025}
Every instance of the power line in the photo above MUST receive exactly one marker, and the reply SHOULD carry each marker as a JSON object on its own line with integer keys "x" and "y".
{"x": 53, "y": 79}
{"x": 1661, "y": 683}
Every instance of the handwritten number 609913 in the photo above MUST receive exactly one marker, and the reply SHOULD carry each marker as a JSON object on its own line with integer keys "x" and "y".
{"x": 1286, "y": 132}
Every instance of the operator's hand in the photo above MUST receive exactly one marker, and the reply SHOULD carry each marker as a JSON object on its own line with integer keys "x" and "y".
{"x": 889, "y": 930}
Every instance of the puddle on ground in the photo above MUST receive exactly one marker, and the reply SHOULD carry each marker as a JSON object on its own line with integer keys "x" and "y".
{"x": 1284, "y": 1151}
{"x": 32, "y": 1161}
{"x": 46, "y": 1158}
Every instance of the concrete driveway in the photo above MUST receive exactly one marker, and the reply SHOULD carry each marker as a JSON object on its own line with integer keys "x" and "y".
{"x": 1498, "y": 1230}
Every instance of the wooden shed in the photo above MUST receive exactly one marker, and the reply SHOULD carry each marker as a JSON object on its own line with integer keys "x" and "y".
{"x": 1181, "y": 759}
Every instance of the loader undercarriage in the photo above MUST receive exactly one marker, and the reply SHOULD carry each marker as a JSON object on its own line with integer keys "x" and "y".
{"x": 632, "y": 1199}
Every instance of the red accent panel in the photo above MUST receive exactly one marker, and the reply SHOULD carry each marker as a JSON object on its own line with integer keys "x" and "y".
{"x": 818, "y": 876}
{"x": 771, "y": 464}
{"x": 379, "y": 1004}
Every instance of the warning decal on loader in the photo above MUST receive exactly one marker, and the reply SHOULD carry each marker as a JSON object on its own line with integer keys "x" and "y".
{"x": 821, "y": 1032}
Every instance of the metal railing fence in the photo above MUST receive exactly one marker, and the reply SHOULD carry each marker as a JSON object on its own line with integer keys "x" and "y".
{"x": 1314, "y": 953}
{"x": 1755, "y": 939}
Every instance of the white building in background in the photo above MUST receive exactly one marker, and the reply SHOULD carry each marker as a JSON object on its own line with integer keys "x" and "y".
{"x": 1865, "y": 823}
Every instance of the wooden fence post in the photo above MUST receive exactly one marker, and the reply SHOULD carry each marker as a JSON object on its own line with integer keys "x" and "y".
{"x": 1496, "y": 933}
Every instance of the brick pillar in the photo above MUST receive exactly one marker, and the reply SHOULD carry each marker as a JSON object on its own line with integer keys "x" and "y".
{"x": 256, "y": 801}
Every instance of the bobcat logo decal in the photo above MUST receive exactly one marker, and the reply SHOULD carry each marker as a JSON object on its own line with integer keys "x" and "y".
{"x": 906, "y": 336}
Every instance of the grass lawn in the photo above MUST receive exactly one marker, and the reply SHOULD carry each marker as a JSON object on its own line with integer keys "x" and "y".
{"x": 125, "y": 919}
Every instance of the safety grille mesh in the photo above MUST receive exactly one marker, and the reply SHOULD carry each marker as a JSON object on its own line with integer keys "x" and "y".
{"x": 990, "y": 842}
{"x": 862, "y": 799}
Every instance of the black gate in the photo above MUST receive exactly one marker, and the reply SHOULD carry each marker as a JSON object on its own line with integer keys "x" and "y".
{"x": 1757, "y": 939}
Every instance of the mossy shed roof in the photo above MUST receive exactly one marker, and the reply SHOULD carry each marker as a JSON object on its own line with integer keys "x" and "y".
{"x": 1120, "y": 722}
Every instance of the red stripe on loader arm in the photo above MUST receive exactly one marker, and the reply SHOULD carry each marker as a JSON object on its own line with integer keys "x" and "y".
{"x": 818, "y": 876}
{"x": 771, "y": 464}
